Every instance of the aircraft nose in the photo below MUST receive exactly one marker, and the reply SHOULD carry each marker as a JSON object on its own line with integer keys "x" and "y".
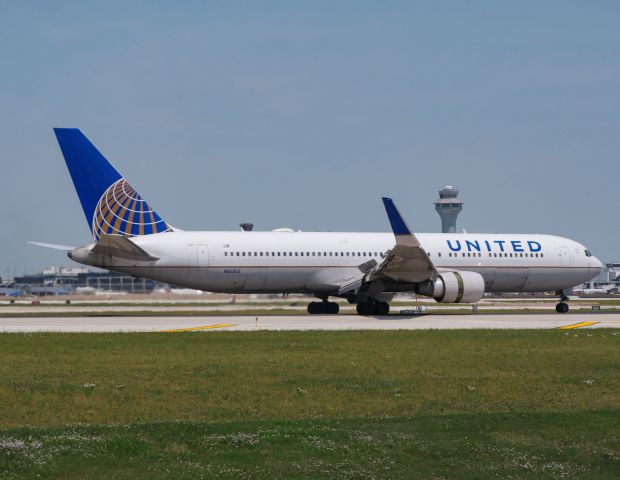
{"x": 596, "y": 265}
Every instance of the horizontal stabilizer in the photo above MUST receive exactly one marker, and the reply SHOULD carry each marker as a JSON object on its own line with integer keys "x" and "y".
{"x": 121, "y": 247}
{"x": 54, "y": 246}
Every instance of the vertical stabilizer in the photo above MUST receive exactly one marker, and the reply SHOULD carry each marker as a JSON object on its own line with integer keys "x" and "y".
{"x": 110, "y": 203}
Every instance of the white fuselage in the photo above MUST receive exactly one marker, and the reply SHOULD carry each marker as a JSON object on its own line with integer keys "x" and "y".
{"x": 318, "y": 263}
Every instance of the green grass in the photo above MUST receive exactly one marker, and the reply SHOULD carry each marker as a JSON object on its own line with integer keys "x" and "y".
{"x": 401, "y": 404}
{"x": 464, "y": 446}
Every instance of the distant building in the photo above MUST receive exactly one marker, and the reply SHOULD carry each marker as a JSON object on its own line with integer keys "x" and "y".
{"x": 608, "y": 279}
{"x": 448, "y": 206}
{"x": 63, "y": 281}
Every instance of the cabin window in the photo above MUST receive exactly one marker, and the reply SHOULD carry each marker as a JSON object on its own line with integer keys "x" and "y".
{"x": 541, "y": 255}
{"x": 225, "y": 254}
{"x": 237, "y": 253}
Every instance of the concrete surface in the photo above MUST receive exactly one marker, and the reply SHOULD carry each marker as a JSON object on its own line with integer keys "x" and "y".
{"x": 307, "y": 322}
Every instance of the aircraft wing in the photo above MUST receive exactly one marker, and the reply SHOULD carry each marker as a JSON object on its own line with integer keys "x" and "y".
{"x": 406, "y": 262}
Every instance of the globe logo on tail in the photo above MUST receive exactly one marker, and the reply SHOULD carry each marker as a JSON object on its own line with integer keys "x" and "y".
{"x": 122, "y": 211}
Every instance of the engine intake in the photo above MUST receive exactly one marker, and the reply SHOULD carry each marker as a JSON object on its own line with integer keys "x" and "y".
{"x": 454, "y": 287}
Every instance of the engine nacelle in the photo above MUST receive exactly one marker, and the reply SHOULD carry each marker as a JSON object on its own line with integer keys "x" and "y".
{"x": 454, "y": 287}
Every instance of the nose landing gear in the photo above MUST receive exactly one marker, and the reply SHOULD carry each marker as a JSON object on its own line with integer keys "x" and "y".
{"x": 562, "y": 307}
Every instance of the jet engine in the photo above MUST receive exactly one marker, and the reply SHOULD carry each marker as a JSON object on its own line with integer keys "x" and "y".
{"x": 454, "y": 287}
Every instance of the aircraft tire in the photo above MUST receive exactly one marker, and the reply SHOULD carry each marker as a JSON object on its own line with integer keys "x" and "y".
{"x": 332, "y": 308}
{"x": 562, "y": 307}
{"x": 314, "y": 308}
{"x": 366, "y": 308}
{"x": 382, "y": 308}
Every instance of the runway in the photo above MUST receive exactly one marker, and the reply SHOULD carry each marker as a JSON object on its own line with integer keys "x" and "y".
{"x": 307, "y": 322}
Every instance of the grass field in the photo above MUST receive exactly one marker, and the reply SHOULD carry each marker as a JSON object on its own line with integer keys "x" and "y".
{"x": 401, "y": 404}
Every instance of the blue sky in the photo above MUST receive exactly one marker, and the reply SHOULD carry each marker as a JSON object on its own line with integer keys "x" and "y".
{"x": 304, "y": 114}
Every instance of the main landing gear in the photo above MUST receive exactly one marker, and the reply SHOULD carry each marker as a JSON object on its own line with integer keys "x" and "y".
{"x": 562, "y": 307}
{"x": 372, "y": 307}
{"x": 323, "y": 307}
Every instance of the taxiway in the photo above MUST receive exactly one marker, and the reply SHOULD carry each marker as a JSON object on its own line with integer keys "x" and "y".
{"x": 306, "y": 322}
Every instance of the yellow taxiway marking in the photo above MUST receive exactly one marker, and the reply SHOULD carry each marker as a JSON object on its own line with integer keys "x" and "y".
{"x": 577, "y": 325}
{"x": 197, "y": 329}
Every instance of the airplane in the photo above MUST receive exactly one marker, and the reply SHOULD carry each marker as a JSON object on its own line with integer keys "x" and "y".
{"x": 366, "y": 269}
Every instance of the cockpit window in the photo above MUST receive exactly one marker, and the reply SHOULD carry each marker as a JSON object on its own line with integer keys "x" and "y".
{"x": 588, "y": 253}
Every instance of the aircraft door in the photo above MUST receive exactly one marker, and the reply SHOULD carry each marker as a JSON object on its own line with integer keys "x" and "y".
{"x": 202, "y": 255}
{"x": 564, "y": 256}
{"x": 202, "y": 261}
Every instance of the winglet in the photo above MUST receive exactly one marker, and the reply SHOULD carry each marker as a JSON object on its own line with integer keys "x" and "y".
{"x": 399, "y": 227}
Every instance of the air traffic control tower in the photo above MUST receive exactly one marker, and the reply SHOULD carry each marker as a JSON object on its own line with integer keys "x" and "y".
{"x": 448, "y": 207}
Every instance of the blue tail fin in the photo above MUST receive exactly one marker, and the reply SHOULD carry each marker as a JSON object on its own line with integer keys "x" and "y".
{"x": 110, "y": 203}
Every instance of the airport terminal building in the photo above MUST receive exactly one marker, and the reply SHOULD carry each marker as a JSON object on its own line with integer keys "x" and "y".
{"x": 71, "y": 280}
